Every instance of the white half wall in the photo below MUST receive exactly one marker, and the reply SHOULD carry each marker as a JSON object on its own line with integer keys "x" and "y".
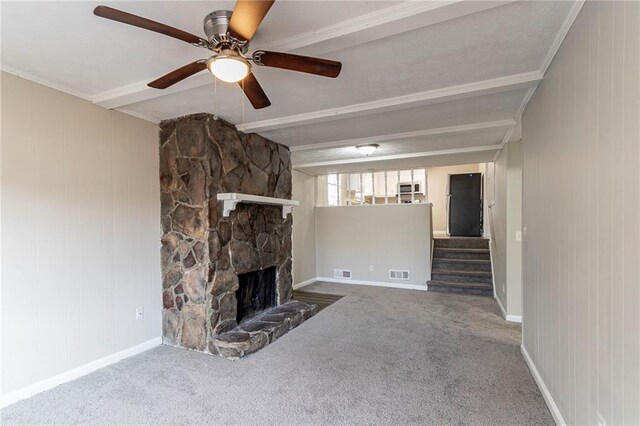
{"x": 80, "y": 236}
{"x": 581, "y": 193}
{"x": 304, "y": 227}
{"x": 380, "y": 236}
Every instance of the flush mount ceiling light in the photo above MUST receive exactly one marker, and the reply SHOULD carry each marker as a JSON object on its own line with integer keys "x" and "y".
{"x": 367, "y": 149}
{"x": 229, "y": 66}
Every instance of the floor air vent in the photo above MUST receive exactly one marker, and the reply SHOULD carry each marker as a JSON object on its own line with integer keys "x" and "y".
{"x": 342, "y": 273}
{"x": 398, "y": 275}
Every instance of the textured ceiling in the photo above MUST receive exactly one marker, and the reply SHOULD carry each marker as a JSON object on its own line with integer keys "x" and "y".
{"x": 445, "y": 52}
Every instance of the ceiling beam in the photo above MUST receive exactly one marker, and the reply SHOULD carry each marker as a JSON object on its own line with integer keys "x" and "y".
{"x": 372, "y": 26}
{"x": 464, "y": 128}
{"x": 382, "y": 23}
{"x": 399, "y": 156}
{"x": 445, "y": 94}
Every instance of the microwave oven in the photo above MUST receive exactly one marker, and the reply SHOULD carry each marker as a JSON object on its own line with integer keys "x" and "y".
{"x": 405, "y": 187}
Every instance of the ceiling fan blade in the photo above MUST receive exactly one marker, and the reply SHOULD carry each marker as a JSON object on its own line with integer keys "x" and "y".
{"x": 287, "y": 61}
{"x": 178, "y": 75}
{"x": 148, "y": 24}
{"x": 254, "y": 92}
{"x": 247, "y": 16}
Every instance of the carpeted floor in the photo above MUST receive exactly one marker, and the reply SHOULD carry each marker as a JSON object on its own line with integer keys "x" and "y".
{"x": 377, "y": 356}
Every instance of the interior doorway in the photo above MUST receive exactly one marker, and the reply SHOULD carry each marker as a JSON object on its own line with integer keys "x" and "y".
{"x": 464, "y": 217}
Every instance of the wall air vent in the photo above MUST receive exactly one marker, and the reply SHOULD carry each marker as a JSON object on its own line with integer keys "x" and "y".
{"x": 342, "y": 273}
{"x": 398, "y": 275}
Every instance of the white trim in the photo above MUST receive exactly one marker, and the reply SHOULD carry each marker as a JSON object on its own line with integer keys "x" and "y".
{"x": 400, "y": 156}
{"x": 407, "y": 135}
{"x": 445, "y": 94}
{"x": 77, "y": 372}
{"x": 366, "y": 28}
{"x": 553, "y": 407}
{"x": 564, "y": 29}
{"x": 439, "y": 233}
{"x": 47, "y": 83}
{"x": 375, "y": 283}
{"x": 305, "y": 283}
{"x": 510, "y": 318}
{"x": 514, "y": 318}
{"x": 231, "y": 199}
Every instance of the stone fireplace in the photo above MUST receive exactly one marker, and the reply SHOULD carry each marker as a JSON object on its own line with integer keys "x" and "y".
{"x": 207, "y": 259}
{"x": 256, "y": 292}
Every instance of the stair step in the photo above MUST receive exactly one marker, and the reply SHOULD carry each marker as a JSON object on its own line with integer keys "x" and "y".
{"x": 462, "y": 272}
{"x": 462, "y": 264}
{"x": 461, "y": 250}
{"x": 478, "y": 289}
{"x": 461, "y": 242}
{"x": 461, "y": 276}
{"x": 456, "y": 253}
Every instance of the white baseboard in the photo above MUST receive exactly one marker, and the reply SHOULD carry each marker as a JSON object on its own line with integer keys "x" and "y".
{"x": 512, "y": 318}
{"x": 77, "y": 372}
{"x": 553, "y": 407}
{"x": 440, "y": 233}
{"x": 375, "y": 283}
{"x": 303, "y": 283}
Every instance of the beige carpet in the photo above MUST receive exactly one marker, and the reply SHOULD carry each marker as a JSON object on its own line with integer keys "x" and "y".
{"x": 376, "y": 356}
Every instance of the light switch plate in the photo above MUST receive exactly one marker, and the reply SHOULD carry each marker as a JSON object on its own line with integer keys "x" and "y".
{"x": 518, "y": 235}
{"x": 139, "y": 314}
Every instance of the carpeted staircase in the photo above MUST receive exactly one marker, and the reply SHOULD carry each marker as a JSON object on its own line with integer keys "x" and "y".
{"x": 461, "y": 265}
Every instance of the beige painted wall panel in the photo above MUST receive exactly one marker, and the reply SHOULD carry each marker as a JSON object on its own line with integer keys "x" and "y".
{"x": 304, "y": 227}
{"x": 437, "y": 182}
{"x": 80, "y": 232}
{"x": 385, "y": 236}
{"x": 581, "y": 208}
{"x": 498, "y": 220}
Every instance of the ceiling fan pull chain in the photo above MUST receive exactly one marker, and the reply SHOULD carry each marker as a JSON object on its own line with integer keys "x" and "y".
{"x": 215, "y": 98}
{"x": 242, "y": 97}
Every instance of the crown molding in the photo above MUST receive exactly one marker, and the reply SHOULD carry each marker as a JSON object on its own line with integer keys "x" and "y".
{"x": 564, "y": 29}
{"x": 399, "y": 156}
{"x": 464, "y": 128}
{"x": 44, "y": 82}
{"x": 359, "y": 30}
{"x": 445, "y": 94}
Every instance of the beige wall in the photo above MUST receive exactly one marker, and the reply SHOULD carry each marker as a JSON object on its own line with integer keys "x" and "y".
{"x": 581, "y": 209}
{"x": 304, "y": 227}
{"x": 385, "y": 236}
{"x": 80, "y": 232}
{"x": 504, "y": 221}
{"x": 437, "y": 182}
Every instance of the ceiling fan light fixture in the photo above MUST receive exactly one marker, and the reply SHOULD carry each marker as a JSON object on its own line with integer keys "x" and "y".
{"x": 229, "y": 67}
{"x": 367, "y": 149}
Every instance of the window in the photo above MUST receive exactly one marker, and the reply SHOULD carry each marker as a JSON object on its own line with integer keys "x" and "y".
{"x": 384, "y": 187}
{"x": 333, "y": 193}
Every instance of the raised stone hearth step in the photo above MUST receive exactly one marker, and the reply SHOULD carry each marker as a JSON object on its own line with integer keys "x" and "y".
{"x": 460, "y": 253}
{"x": 477, "y": 289}
{"x": 462, "y": 264}
{"x": 461, "y": 242}
{"x": 461, "y": 276}
{"x": 258, "y": 331}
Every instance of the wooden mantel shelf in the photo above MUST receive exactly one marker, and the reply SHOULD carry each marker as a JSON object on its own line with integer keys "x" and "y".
{"x": 231, "y": 199}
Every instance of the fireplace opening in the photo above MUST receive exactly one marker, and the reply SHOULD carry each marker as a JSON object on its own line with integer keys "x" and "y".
{"x": 257, "y": 292}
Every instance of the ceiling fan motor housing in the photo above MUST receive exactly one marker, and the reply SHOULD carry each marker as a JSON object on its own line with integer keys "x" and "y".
{"x": 216, "y": 27}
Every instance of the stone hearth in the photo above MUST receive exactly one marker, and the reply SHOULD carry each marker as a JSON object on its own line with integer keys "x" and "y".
{"x": 203, "y": 252}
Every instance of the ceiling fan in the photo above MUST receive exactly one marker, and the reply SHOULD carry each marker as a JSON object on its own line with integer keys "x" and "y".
{"x": 228, "y": 37}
